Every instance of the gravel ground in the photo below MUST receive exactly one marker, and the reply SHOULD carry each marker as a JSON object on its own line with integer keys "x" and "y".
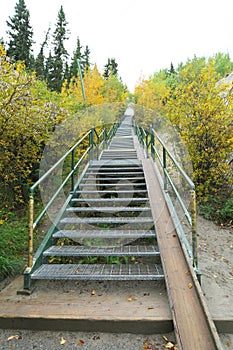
{"x": 74, "y": 340}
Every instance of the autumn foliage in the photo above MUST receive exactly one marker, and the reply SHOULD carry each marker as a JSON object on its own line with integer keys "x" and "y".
{"x": 29, "y": 113}
{"x": 200, "y": 107}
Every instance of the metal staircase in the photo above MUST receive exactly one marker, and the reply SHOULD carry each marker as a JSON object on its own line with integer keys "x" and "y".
{"x": 107, "y": 231}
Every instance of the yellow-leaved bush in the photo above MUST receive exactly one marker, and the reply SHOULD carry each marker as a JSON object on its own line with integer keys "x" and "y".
{"x": 201, "y": 110}
{"x": 27, "y": 116}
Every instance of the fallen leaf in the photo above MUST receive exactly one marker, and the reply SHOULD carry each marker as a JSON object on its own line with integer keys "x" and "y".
{"x": 187, "y": 273}
{"x": 228, "y": 343}
{"x": 149, "y": 345}
{"x": 190, "y": 285}
{"x": 62, "y": 341}
{"x": 131, "y": 298}
{"x": 96, "y": 337}
{"x": 150, "y": 308}
{"x": 93, "y": 292}
{"x": 16, "y": 337}
{"x": 81, "y": 342}
{"x": 170, "y": 345}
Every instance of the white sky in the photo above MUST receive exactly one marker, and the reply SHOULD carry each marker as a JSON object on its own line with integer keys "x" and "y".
{"x": 143, "y": 36}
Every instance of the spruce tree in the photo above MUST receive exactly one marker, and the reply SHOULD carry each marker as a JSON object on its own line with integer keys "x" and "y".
{"x": 76, "y": 56}
{"x": 56, "y": 73}
{"x": 110, "y": 68}
{"x": 40, "y": 59}
{"x": 20, "y": 34}
{"x": 86, "y": 58}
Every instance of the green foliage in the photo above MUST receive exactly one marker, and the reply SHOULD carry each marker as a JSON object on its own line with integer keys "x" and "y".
{"x": 20, "y": 34}
{"x": 222, "y": 63}
{"x": 13, "y": 248}
{"x": 219, "y": 209}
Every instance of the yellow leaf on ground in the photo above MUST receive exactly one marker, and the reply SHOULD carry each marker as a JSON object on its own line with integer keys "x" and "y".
{"x": 62, "y": 341}
{"x": 16, "y": 337}
{"x": 80, "y": 342}
{"x": 131, "y": 298}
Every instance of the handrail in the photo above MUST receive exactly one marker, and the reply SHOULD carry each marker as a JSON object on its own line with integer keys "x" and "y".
{"x": 102, "y": 138}
{"x": 147, "y": 140}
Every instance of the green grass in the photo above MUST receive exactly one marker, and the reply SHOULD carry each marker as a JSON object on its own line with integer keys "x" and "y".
{"x": 13, "y": 246}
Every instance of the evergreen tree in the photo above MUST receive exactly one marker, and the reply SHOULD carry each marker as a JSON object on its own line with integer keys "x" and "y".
{"x": 110, "y": 68}
{"x": 86, "y": 58}
{"x": 76, "y": 56}
{"x": 20, "y": 34}
{"x": 49, "y": 68}
{"x": 171, "y": 70}
{"x": 40, "y": 60}
{"x": 55, "y": 75}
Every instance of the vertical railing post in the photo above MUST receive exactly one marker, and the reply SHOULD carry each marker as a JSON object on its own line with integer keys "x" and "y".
{"x": 194, "y": 229}
{"x": 152, "y": 143}
{"x": 164, "y": 169}
{"x": 72, "y": 169}
{"x": 105, "y": 138}
{"x": 91, "y": 143}
{"x": 147, "y": 145}
{"x": 30, "y": 230}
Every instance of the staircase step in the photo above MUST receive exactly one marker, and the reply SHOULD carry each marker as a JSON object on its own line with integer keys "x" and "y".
{"x": 111, "y": 191}
{"x": 74, "y": 251}
{"x": 113, "y": 173}
{"x": 126, "y": 163}
{"x": 93, "y": 177}
{"x": 106, "y": 220}
{"x": 110, "y": 200}
{"x": 95, "y": 184}
{"x": 98, "y": 272}
{"x": 128, "y": 234}
{"x": 108, "y": 209}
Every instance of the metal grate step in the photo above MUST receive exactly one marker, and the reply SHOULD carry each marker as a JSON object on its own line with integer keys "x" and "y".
{"x": 132, "y": 234}
{"x": 110, "y": 200}
{"x": 93, "y": 177}
{"x": 112, "y": 192}
{"x": 116, "y": 164}
{"x": 74, "y": 251}
{"x": 108, "y": 209}
{"x": 114, "y": 173}
{"x": 113, "y": 184}
{"x": 98, "y": 272}
{"x": 106, "y": 220}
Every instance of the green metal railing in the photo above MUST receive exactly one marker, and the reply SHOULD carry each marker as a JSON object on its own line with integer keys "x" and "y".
{"x": 92, "y": 143}
{"x": 149, "y": 139}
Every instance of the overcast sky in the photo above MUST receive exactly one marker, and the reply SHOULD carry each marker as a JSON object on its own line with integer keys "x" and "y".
{"x": 143, "y": 36}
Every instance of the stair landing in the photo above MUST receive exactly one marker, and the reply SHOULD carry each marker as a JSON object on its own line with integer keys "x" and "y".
{"x": 88, "y": 306}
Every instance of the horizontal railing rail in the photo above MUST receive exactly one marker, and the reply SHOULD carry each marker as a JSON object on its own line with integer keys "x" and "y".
{"x": 92, "y": 143}
{"x": 148, "y": 139}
